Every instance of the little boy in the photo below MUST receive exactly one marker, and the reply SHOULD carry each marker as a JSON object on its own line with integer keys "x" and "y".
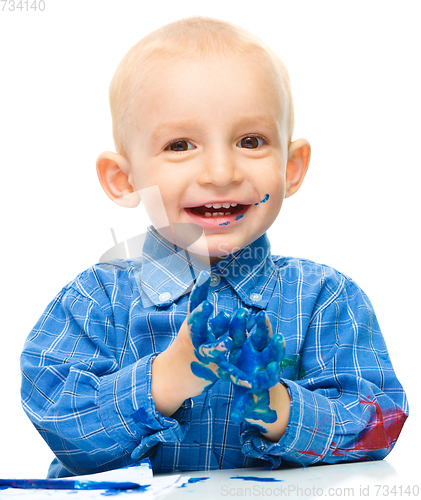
{"x": 125, "y": 362}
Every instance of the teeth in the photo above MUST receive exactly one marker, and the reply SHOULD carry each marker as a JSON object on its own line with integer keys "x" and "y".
{"x": 216, "y": 214}
{"x": 221, "y": 205}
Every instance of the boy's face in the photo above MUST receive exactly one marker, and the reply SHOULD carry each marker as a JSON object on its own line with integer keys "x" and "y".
{"x": 209, "y": 132}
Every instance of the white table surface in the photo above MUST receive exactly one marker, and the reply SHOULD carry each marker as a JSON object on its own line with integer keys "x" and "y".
{"x": 354, "y": 480}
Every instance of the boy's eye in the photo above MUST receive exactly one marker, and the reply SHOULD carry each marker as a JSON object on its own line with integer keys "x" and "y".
{"x": 179, "y": 145}
{"x": 251, "y": 142}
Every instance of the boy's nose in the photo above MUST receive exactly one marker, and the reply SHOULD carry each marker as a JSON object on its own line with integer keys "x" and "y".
{"x": 219, "y": 167}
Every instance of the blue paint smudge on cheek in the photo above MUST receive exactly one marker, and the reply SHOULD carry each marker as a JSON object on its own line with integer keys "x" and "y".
{"x": 265, "y": 199}
{"x": 257, "y": 478}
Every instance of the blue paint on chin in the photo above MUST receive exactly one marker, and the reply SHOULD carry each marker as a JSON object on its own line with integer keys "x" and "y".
{"x": 224, "y": 223}
{"x": 239, "y": 217}
{"x": 257, "y": 478}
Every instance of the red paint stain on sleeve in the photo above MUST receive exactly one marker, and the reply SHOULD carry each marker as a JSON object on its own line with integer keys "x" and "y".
{"x": 384, "y": 430}
{"x": 309, "y": 452}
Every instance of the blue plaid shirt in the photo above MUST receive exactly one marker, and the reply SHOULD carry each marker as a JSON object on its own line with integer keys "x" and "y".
{"x": 86, "y": 366}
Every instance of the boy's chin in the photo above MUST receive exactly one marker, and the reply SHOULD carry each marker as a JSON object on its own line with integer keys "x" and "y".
{"x": 214, "y": 251}
{"x": 208, "y": 248}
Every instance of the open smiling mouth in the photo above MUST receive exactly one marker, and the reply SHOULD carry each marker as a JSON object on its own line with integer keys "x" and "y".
{"x": 217, "y": 210}
{"x": 217, "y": 213}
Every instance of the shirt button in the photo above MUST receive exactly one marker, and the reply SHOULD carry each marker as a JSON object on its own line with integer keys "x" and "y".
{"x": 164, "y": 296}
{"x": 255, "y": 297}
{"x": 215, "y": 280}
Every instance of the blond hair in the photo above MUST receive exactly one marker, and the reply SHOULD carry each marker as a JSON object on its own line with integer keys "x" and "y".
{"x": 194, "y": 36}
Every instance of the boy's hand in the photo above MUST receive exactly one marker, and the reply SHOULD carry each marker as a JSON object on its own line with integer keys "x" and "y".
{"x": 259, "y": 357}
{"x": 198, "y": 356}
{"x": 211, "y": 338}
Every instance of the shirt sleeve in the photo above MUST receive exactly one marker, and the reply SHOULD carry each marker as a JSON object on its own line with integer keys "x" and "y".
{"x": 94, "y": 414}
{"x": 348, "y": 404}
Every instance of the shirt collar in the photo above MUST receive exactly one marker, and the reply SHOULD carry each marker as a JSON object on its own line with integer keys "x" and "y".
{"x": 250, "y": 272}
{"x": 168, "y": 272}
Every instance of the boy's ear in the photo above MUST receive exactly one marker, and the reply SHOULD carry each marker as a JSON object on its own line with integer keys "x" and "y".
{"x": 298, "y": 160}
{"x": 114, "y": 175}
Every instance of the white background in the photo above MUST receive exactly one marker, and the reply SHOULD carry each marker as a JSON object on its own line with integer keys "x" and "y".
{"x": 355, "y": 75}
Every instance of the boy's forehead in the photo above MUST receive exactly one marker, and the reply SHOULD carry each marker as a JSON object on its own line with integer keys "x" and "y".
{"x": 203, "y": 38}
{"x": 192, "y": 83}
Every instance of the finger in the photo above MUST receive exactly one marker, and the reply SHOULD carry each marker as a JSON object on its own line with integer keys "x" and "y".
{"x": 215, "y": 351}
{"x": 260, "y": 410}
{"x": 203, "y": 372}
{"x": 231, "y": 373}
{"x": 198, "y": 323}
{"x": 238, "y": 327}
{"x": 200, "y": 290}
{"x": 242, "y": 405}
{"x": 245, "y": 357}
{"x": 260, "y": 338}
{"x": 269, "y": 377}
{"x": 275, "y": 351}
{"x": 219, "y": 324}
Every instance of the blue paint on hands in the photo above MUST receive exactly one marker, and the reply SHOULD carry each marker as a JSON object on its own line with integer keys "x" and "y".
{"x": 259, "y": 357}
{"x": 225, "y": 351}
{"x": 211, "y": 339}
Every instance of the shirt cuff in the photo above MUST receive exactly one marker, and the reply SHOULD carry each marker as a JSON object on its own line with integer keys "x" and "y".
{"x": 308, "y": 435}
{"x": 129, "y": 414}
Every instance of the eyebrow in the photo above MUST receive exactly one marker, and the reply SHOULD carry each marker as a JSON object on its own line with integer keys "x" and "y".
{"x": 165, "y": 127}
{"x": 267, "y": 121}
